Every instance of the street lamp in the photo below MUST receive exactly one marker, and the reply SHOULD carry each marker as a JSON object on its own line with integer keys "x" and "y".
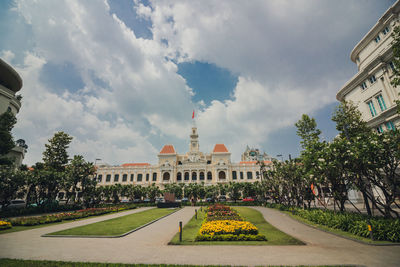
{"x": 280, "y": 155}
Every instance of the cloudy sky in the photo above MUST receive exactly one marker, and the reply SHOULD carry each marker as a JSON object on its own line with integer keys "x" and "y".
{"x": 123, "y": 76}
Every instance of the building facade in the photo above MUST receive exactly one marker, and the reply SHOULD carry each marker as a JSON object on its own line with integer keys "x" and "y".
{"x": 370, "y": 89}
{"x": 192, "y": 167}
{"x": 10, "y": 84}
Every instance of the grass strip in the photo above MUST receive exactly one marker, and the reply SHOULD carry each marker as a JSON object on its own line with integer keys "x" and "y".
{"x": 339, "y": 232}
{"x": 116, "y": 226}
{"x": 274, "y": 236}
{"x": 19, "y": 228}
{"x": 36, "y": 263}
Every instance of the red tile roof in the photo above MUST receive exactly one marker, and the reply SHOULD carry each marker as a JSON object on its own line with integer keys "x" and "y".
{"x": 220, "y": 148}
{"x": 168, "y": 149}
{"x": 135, "y": 164}
{"x": 254, "y": 162}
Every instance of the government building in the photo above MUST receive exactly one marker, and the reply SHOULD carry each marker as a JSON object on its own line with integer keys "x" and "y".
{"x": 370, "y": 89}
{"x": 192, "y": 167}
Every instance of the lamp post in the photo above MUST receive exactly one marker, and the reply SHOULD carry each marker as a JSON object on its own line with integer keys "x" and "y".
{"x": 280, "y": 155}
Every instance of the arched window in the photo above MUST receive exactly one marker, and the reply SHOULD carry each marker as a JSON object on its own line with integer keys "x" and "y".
{"x": 257, "y": 174}
{"x": 139, "y": 177}
{"x": 209, "y": 176}
{"x": 124, "y": 177}
{"x": 179, "y": 176}
{"x": 116, "y": 177}
{"x": 249, "y": 175}
{"x": 201, "y": 175}
{"x": 154, "y": 176}
{"x": 221, "y": 175}
{"x": 194, "y": 176}
{"x": 186, "y": 176}
{"x": 166, "y": 176}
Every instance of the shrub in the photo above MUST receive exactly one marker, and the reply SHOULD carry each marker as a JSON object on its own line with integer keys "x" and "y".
{"x": 231, "y": 237}
{"x": 383, "y": 229}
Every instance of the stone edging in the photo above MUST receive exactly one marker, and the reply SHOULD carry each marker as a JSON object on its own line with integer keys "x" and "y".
{"x": 338, "y": 235}
{"x": 112, "y": 236}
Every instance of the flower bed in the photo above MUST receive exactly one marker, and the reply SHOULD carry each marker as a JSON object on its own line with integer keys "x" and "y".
{"x": 5, "y": 225}
{"x": 29, "y": 221}
{"x": 222, "y": 212}
{"x": 224, "y": 224}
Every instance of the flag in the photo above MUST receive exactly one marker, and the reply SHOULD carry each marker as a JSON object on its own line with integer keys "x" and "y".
{"x": 193, "y": 114}
{"x": 312, "y": 189}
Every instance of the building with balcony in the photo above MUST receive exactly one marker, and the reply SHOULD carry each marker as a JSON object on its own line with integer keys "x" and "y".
{"x": 370, "y": 89}
{"x": 191, "y": 167}
{"x": 10, "y": 84}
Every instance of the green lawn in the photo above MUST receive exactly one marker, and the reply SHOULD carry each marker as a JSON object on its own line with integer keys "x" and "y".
{"x": 274, "y": 236}
{"x": 32, "y": 263}
{"x": 117, "y": 226}
{"x": 19, "y": 228}
{"x": 337, "y": 231}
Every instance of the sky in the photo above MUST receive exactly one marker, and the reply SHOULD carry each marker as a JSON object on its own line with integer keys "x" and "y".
{"x": 123, "y": 76}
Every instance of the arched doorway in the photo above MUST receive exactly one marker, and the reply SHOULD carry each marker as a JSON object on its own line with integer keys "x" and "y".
{"x": 179, "y": 176}
{"x": 221, "y": 175}
{"x": 166, "y": 176}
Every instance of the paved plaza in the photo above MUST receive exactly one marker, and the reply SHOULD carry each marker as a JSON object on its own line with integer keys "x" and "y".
{"x": 150, "y": 245}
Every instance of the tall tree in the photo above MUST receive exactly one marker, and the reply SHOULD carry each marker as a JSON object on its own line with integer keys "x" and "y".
{"x": 307, "y": 130}
{"x": 7, "y": 122}
{"x": 55, "y": 155}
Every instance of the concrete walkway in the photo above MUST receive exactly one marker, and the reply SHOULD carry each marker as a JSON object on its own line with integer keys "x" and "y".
{"x": 149, "y": 245}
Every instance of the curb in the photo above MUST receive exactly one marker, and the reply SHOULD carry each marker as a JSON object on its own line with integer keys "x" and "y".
{"x": 112, "y": 236}
{"x": 335, "y": 234}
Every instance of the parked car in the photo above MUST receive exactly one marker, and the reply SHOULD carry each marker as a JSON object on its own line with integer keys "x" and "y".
{"x": 147, "y": 200}
{"x": 185, "y": 199}
{"x": 248, "y": 199}
{"x": 210, "y": 199}
{"x": 125, "y": 201}
{"x": 137, "y": 200}
{"x": 160, "y": 200}
{"x": 17, "y": 204}
{"x": 222, "y": 198}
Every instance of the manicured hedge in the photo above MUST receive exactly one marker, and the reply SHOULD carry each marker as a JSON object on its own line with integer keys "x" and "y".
{"x": 231, "y": 237}
{"x": 5, "y": 225}
{"x": 38, "y": 210}
{"x": 382, "y": 228}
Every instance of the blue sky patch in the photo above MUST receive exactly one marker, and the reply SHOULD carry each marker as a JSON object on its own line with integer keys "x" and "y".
{"x": 60, "y": 77}
{"x": 124, "y": 9}
{"x": 208, "y": 81}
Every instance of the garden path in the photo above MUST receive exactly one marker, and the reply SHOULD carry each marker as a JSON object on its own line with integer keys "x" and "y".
{"x": 149, "y": 245}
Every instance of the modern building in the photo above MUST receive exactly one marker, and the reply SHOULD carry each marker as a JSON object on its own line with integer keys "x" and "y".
{"x": 370, "y": 88}
{"x": 10, "y": 84}
{"x": 192, "y": 167}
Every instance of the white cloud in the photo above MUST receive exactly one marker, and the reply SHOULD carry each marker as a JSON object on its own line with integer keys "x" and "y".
{"x": 285, "y": 54}
{"x": 112, "y": 122}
